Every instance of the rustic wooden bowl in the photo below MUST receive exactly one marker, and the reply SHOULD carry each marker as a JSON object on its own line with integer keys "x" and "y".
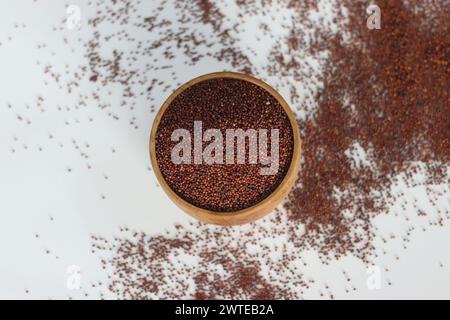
{"x": 248, "y": 214}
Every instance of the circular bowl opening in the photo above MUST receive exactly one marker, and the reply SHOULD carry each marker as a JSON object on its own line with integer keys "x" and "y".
{"x": 255, "y": 211}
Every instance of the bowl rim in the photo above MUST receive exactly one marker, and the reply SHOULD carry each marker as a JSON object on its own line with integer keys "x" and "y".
{"x": 259, "y": 209}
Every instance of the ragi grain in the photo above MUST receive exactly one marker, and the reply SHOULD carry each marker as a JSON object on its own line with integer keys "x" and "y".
{"x": 223, "y": 104}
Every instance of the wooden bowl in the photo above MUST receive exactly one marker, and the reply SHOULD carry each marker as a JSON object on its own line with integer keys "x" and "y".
{"x": 248, "y": 214}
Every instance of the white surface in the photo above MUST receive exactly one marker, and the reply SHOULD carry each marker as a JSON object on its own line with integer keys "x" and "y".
{"x": 40, "y": 196}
